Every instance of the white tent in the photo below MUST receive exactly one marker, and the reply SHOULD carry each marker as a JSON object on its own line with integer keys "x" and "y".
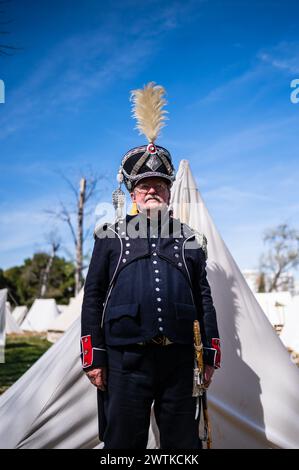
{"x": 11, "y": 324}
{"x": 42, "y": 313}
{"x": 54, "y": 406}
{"x": 69, "y": 314}
{"x": 275, "y": 305}
{"x": 251, "y": 406}
{"x": 290, "y": 332}
{"x": 3, "y": 296}
{"x": 19, "y": 313}
{"x": 8, "y": 324}
{"x": 62, "y": 308}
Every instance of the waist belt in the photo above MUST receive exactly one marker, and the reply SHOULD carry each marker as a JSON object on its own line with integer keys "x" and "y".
{"x": 159, "y": 340}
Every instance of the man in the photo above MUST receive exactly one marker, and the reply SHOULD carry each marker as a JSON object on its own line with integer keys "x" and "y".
{"x": 145, "y": 286}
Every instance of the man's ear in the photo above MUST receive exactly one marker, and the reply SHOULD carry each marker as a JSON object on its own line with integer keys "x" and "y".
{"x": 132, "y": 194}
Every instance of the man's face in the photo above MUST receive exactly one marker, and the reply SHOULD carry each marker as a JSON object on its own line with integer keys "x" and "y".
{"x": 151, "y": 194}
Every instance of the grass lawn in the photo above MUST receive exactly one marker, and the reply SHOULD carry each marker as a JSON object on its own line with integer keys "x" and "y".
{"x": 21, "y": 351}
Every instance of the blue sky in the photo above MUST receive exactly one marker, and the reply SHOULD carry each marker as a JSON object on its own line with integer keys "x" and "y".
{"x": 227, "y": 68}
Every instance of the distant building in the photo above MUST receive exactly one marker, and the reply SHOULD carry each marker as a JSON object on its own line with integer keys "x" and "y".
{"x": 281, "y": 307}
{"x": 276, "y": 307}
{"x": 296, "y": 287}
{"x": 252, "y": 277}
{"x": 286, "y": 282}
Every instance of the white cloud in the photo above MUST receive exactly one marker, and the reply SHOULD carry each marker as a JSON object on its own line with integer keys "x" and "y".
{"x": 225, "y": 90}
{"x": 234, "y": 195}
{"x": 247, "y": 139}
{"x": 283, "y": 56}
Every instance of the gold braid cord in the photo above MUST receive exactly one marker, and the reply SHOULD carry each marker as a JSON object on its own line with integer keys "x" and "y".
{"x": 199, "y": 390}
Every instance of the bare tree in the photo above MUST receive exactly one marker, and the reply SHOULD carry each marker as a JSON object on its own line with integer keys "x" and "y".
{"x": 261, "y": 282}
{"x": 282, "y": 254}
{"x": 74, "y": 219}
{"x": 5, "y": 48}
{"x": 53, "y": 239}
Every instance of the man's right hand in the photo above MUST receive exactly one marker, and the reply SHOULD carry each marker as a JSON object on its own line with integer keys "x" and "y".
{"x": 98, "y": 377}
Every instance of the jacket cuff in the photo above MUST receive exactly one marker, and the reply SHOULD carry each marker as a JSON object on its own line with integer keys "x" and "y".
{"x": 212, "y": 355}
{"x": 92, "y": 357}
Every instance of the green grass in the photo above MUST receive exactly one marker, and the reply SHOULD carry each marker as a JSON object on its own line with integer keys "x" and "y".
{"x": 21, "y": 351}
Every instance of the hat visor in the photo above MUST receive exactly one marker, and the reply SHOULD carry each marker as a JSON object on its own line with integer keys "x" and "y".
{"x": 152, "y": 174}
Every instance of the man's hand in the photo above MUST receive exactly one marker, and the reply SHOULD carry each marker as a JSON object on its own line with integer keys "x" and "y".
{"x": 208, "y": 372}
{"x": 98, "y": 377}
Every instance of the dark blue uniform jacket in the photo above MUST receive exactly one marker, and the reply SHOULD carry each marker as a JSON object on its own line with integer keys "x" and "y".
{"x": 147, "y": 280}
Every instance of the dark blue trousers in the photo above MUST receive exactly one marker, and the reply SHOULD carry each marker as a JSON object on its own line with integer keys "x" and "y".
{"x": 137, "y": 376}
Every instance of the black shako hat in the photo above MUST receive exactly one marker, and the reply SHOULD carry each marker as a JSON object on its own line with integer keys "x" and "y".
{"x": 144, "y": 162}
{"x": 147, "y": 160}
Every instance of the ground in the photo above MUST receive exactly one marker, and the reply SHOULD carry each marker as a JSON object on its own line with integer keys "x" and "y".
{"x": 21, "y": 351}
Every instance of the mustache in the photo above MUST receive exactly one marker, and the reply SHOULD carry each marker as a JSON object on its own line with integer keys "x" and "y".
{"x": 153, "y": 197}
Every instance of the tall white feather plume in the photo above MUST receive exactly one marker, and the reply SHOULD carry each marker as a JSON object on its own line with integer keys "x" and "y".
{"x": 147, "y": 110}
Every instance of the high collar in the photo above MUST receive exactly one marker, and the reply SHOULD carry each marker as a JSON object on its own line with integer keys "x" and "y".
{"x": 160, "y": 224}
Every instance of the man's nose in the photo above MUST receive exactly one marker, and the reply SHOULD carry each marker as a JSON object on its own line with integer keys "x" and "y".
{"x": 152, "y": 189}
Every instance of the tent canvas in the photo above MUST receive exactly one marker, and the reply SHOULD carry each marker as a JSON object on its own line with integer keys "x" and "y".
{"x": 290, "y": 332}
{"x": 250, "y": 406}
{"x": 275, "y": 305}
{"x": 62, "y": 308}
{"x": 41, "y": 315}
{"x": 11, "y": 324}
{"x": 19, "y": 313}
{"x": 69, "y": 315}
{"x": 3, "y": 296}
